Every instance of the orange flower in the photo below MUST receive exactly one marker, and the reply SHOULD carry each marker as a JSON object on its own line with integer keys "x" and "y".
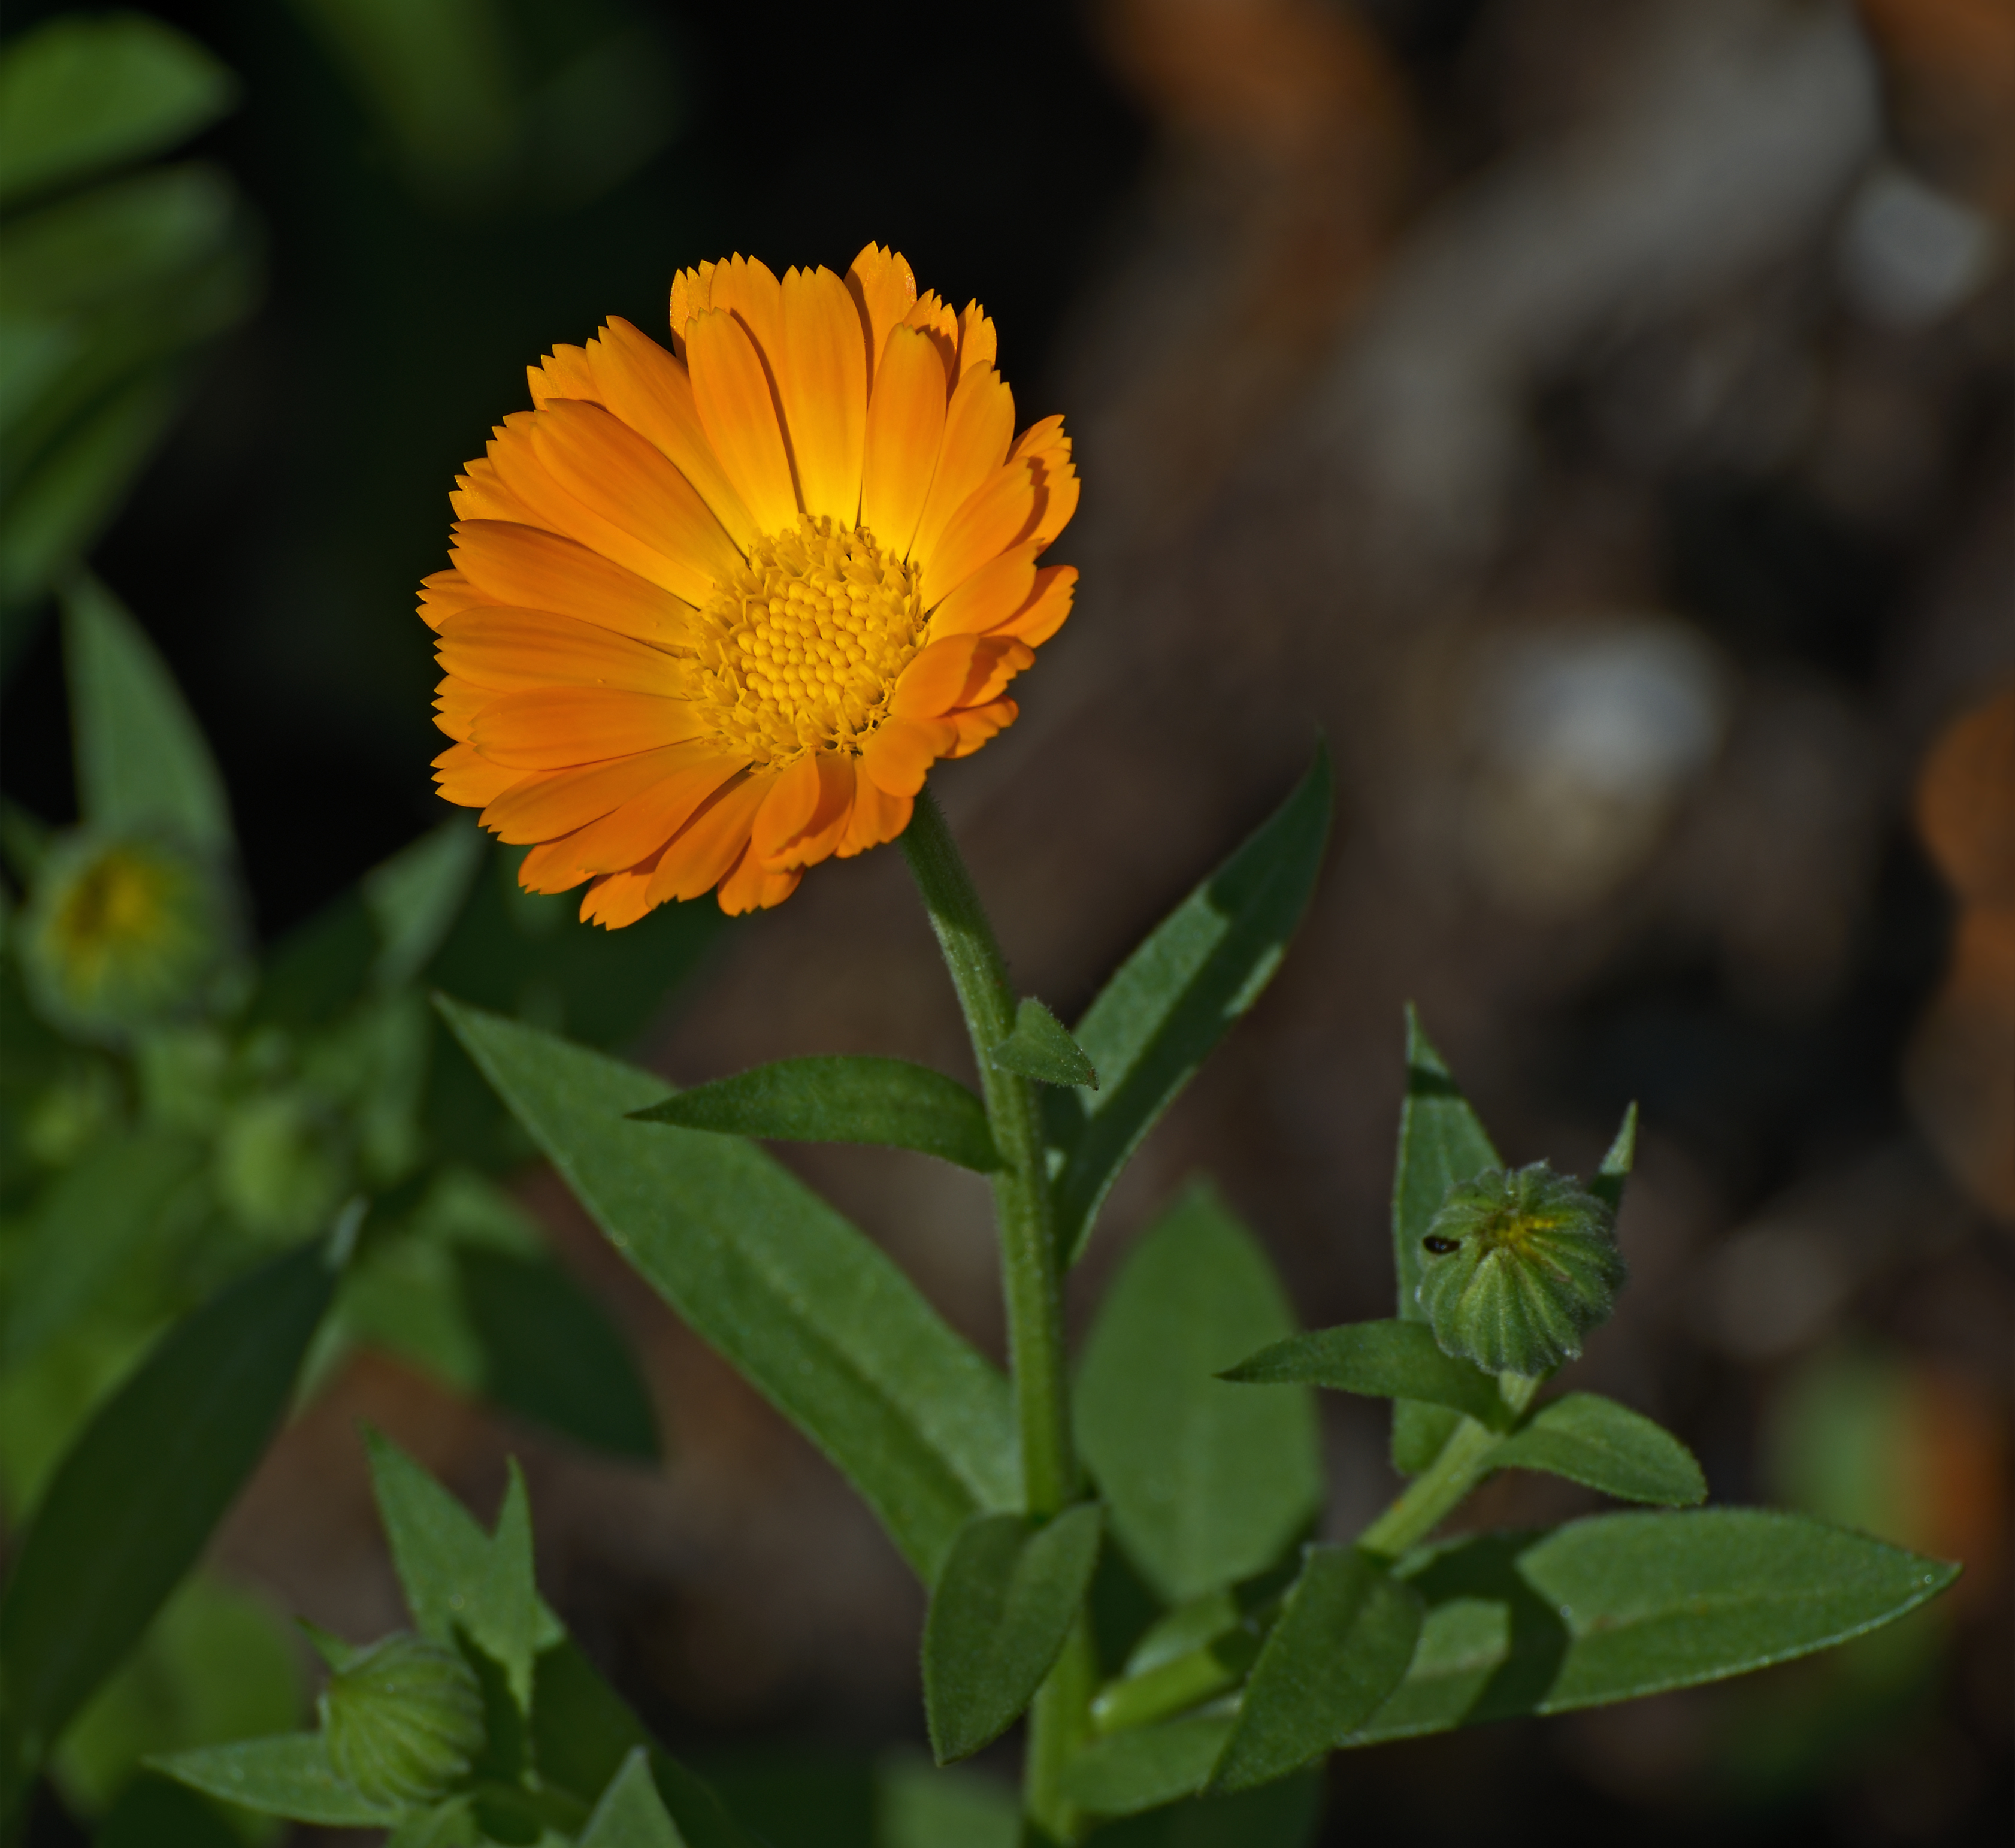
{"x": 713, "y": 617}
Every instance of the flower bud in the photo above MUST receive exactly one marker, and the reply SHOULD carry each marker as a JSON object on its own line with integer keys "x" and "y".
{"x": 1516, "y": 1267}
{"x": 402, "y": 1720}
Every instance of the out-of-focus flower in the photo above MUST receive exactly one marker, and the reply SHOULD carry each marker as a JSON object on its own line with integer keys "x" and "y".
{"x": 713, "y": 617}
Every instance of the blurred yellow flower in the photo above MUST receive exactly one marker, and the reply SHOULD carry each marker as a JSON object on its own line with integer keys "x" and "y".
{"x": 713, "y": 616}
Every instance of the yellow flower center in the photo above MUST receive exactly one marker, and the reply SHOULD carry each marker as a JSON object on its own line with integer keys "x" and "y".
{"x": 799, "y": 649}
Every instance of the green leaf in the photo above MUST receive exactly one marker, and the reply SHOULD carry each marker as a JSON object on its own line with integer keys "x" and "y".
{"x": 287, "y": 1775}
{"x": 1342, "y": 1643}
{"x": 451, "y": 1824}
{"x": 458, "y": 1580}
{"x": 1607, "y": 1185}
{"x": 1010, "y": 1591}
{"x": 845, "y": 1099}
{"x": 1625, "y": 1605}
{"x": 135, "y": 1500}
{"x": 582, "y": 1729}
{"x": 1602, "y": 1445}
{"x": 918, "y": 1805}
{"x": 817, "y": 1318}
{"x": 414, "y": 898}
{"x": 1441, "y": 1142}
{"x": 133, "y": 235}
{"x": 1285, "y": 1813}
{"x": 1382, "y": 1360}
{"x": 631, "y": 1814}
{"x": 1041, "y": 1048}
{"x": 1206, "y": 1483}
{"x": 141, "y": 760}
{"x": 1147, "y": 1765}
{"x": 1178, "y": 994}
{"x": 80, "y": 95}
{"x": 547, "y": 1352}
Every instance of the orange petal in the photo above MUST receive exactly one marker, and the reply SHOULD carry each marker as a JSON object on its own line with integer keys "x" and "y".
{"x": 1043, "y": 614}
{"x": 463, "y": 775}
{"x": 561, "y": 803}
{"x": 980, "y": 424}
{"x": 692, "y": 293}
{"x": 447, "y": 594}
{"x": 456, "y": 705}
{"x": 905, "y": 430}
{"x": 731, "y": 389}
{"x": 508, "y": 649}
{"x": 824, "y": 829}
{"x": 977, "y": 346}
{"x": 823, "y": 379}
{"x": 930, "y": 686}
{"x": 563, "y": 372}
{"x": 999, "y": 515}
{"x": 479, "y": 494}
{"x": 754, "y": 886}
{"x": 526, "y": 568}
{"x": 652, "y": 392}
{"x": 619, "y": 898}
{"x": 1045, "y": 443}
{"x": 633, "y": 832}
{"x": 793, "y": 800}
{"x": 705, "y": 850}
{"x": 899, "y": 753}
{"x": 977, "y": 724}
{"x": 748, "y": 288}
{"x": 992, "y": 595}
{"x": 556, "y": 728}
{"x": 935, "y": 318}
{"x": 883, "y": 289}
{"x": 877, "y": 817}
{"x": 606, "y": 465}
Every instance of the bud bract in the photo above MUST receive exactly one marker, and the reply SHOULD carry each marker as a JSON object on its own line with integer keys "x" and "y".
{"x": 402, "y": 1720}
{"x": 1516, "y": 1267}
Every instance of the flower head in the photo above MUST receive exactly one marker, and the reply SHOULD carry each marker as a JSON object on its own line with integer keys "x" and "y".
{"x": 714, "y": 613}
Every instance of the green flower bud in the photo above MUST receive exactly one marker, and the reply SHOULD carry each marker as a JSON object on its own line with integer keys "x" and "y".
{"x": 1516, "y": 1267}
{"x": 124, "y": 932}
{"x": 402, "y": 1720}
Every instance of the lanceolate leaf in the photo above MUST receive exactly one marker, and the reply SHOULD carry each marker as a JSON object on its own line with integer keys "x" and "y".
{"x": 1341, "y": 1644}
{"x": 1597, "y": 1442}
{"x": 1147, "y": 1765}
{"x": 288, "y": 1774}
{"x": 817, "y": 1317}
{"x": 999, "y": 1612}
{"x": 1382, "y": 1360}
{"x": 414, "y": 898}
{"x": 631, "y": 1814}
{"x": 1041, "y": 1048}
{"x": 860, "y": 1099}
{"x": 1206, "y": 1483}
{"x": 1176, "y": 997}
{"x": 133, "y": 1503}
{"x": 1625, "y": 1605}
{"x": 1441, "y": 1142}
{"x": 141, "y": 759}
{"x": 1608, "y": 1184}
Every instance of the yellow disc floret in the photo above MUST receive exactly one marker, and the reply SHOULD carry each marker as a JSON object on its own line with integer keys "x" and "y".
{"x": 799, "y": 650}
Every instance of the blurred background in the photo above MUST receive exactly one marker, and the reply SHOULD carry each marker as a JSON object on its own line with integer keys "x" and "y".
{"x": 1595, "y": 417}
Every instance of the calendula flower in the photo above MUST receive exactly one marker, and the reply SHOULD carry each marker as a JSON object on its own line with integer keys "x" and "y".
{"x": 715, "y": 612}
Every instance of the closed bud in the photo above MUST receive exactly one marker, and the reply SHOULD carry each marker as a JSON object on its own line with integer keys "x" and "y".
{"x": 1516, "y": 1267}
{"x": 402, "y": 1720}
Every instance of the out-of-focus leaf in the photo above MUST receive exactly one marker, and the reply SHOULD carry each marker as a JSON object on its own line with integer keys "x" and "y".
{"x": 1206, "y": 1482}
{"x": 918, "y": 1806}
{"x": 631, "y": 1814}
{"x": 845, "y": 1099}
{"x": 138, "y": 1495}
{"x": 1041, "y": 1047}
{"x": 81, "y": 94}
{"x": 1177, "y": 995}
{"x": 115, "y": 239}
{"x": 813, "y": 1313}
{"x": 1383, "y": 1360}
{"x": 1147, "y": 1765}
{"x": 1441, "y": 1142}
{"x": 1282, "y": 1814}
{"x": 152, "y": 1812}
{"x": 1602, "y": 1445}
{"x": 1341, "y": 1644}
{"x": 413, "y": 897}
{"x": 1606, "y": 1183}
{"x": 1624, "y": 1605}
{"x": 1010, "y": 1591}
{"x": 288, "y": 1774}
{"x": 141, "y": 762}
{"x": 582, "y": 1729}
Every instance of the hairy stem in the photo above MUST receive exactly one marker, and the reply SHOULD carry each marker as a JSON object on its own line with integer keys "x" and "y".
{"x": 1435, "y": 1494}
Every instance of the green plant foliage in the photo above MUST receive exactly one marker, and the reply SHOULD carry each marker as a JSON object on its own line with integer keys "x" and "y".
{"x": 1382, "y": 1360}
{"x": 1441, "y": 1142}
{"x": 288, "y": 1774}
{"x": 1206, "y": 1483}
{"x": 1602, "y": 1445}
{"x": 813, "y": 1313}
{"x": 851, "y": 1099}
{"x": 414, "y": 898}
{"x": 917, "y": 1806}
{"x": 1041, "y": 1047}
{"x": 154, "y": 1812}
{"x": 1145, "y": 1766}
{"x": 141, "y": 761}
{"x": 139, "y": 1493}
{"x": 82, "y": 94}
{"x": 1625, "y": 1605}
{"x": 1342, "y": 1643}
{"x": 1010, "y": 1589}
{"x": 1606, "y": 1183}
{"x": 1177, "y": 995}
{"x": 403, "y": 1720}
{"x": 631, "y": 1814}
{"x": 1282, "y": 1814}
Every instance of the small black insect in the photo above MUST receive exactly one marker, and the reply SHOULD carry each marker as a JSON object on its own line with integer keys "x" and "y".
{"x": 1441, "y": 1247}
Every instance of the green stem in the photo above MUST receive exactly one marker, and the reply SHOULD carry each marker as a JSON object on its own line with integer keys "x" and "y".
{"x": 1025, "y": 1217}
{"x": 1441, "y": 1488}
